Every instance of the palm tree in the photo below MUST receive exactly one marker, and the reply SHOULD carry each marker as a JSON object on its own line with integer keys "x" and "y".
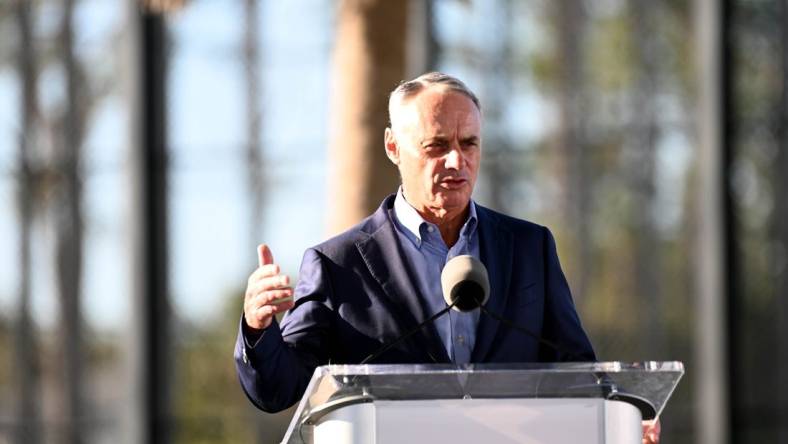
{"x": 369, "y": 61}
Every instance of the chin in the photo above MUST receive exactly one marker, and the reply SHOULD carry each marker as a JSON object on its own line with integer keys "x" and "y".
{"x": 452, "y": 200}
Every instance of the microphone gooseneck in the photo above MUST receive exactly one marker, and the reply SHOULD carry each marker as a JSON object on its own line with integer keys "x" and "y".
{"x": 466, "y": 285}
{"x": 410, "y": 333}
{"x": 528, "y": 332}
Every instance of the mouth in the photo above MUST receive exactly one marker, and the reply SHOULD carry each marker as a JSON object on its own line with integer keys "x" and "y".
{"x": 452, "y": 183}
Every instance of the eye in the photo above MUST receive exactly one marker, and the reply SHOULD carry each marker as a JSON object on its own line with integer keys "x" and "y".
{"x": 437, "y": 145}
{"x": 470, "y": 144}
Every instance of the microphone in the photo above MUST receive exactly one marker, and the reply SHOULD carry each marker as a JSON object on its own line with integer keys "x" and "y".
{"x": 465, "y": 283}
{"x": 465, "y": 287}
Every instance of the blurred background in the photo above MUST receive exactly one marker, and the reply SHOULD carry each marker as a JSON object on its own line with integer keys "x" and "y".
{"x": 147, "y": 147}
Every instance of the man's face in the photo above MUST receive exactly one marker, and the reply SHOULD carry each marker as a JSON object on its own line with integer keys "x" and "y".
{"x": 435, "y": 140}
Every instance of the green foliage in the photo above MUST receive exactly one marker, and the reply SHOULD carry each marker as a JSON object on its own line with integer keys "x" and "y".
{"x": 210, "y": 406}
{"x": 610, "y": 53}
{"x": 6, "y": 357}
{"x": 207, "y": 405}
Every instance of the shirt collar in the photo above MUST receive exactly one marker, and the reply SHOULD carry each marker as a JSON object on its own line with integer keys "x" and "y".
{"x": 412, "y": 221}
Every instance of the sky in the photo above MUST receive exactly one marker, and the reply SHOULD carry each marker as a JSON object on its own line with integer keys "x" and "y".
{"x": 211, "y": 253}
{"x": 211, "y": 249}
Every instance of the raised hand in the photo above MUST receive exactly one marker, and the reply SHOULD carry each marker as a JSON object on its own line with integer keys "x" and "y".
{"x": 267, "y": 291}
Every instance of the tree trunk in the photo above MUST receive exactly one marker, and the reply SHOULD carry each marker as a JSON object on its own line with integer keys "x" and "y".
{"x": 369, "y": 61}
{"x": 497, "y": 150}
{"x": 422, "y": 50}
{"x": 26, "y": 346}
{"x": 69, "y": 232}
{"x": 573, "y": 162}
{"x": 642, "y": 146}
{"x": 254, "y": 161}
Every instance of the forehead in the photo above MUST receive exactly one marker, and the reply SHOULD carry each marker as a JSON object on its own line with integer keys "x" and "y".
{"x": 438, "y": 109}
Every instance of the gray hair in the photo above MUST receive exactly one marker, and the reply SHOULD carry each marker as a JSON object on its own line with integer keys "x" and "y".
{"x": 410, "y": 88}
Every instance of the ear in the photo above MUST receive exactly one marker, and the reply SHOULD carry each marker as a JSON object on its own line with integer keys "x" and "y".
{"x": 392, "y": 148}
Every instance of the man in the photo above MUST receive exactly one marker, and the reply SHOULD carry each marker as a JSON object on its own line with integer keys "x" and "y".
{"x": 369, "y": 285}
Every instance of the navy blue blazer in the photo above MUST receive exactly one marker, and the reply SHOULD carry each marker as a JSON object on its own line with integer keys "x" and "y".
{"x": 355, "y": 293}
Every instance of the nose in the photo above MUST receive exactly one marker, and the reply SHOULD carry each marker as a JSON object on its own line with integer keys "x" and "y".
{"x": 454, "y": 159}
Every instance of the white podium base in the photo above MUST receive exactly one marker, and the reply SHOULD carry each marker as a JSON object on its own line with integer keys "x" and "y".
{"x": 488, "y": 421}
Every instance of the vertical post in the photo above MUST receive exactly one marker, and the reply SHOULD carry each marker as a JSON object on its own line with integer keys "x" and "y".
{"x": 713, "y": 231}
{"x": 780, "y": 190}
{"x": 150, "y": 416}
{"x": 730, "y": 267}
{"x": 157, "y": 310}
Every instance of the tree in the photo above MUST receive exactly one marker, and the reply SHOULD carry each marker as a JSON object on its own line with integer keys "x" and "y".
{"x": 369, "y": 61}
{"x": 254, "y": 162}
{"x": 643, "y": 133}
{"x": 69, "y": 232}
{"x": 26, "y": 360}
{"x": 572, "y": 148}
{"x": 498, "y": 152}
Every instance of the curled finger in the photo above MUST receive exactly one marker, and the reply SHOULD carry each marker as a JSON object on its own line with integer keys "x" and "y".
{"x": 278, "y": 282}
{"x": 264, "y": 272}
{"x": 282, "y": 306}
{"x": 276, "y": 297}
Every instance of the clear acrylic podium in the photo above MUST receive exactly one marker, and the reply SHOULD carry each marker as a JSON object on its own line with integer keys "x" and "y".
{"x": 601, "y": 402}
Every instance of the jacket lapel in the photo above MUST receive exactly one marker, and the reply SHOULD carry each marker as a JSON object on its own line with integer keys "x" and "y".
{"x": 495, "y": 242}
{"x": 382, "y": 254}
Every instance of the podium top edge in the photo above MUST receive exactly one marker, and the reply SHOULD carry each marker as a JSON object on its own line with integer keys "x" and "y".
{"x": 573, "y": 367}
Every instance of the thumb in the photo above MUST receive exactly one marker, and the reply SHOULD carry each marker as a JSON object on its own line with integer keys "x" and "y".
{"x": 264, "y": 256}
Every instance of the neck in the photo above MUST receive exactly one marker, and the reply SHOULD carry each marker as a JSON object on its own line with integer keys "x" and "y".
{"x": 450, "y": 229}
{"x": 449, "y": 222}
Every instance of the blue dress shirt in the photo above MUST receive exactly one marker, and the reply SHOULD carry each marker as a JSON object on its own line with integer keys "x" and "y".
{"x": 427, "y": 253}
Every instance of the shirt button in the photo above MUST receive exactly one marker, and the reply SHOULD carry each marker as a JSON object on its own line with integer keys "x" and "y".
{"x": 461, "y": 339}
{"x": 430, "y": 228}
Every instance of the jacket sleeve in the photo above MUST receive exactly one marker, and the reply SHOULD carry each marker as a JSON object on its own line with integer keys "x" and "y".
{"x": 561, "y": 322}
{"x": 274, "y": 369}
